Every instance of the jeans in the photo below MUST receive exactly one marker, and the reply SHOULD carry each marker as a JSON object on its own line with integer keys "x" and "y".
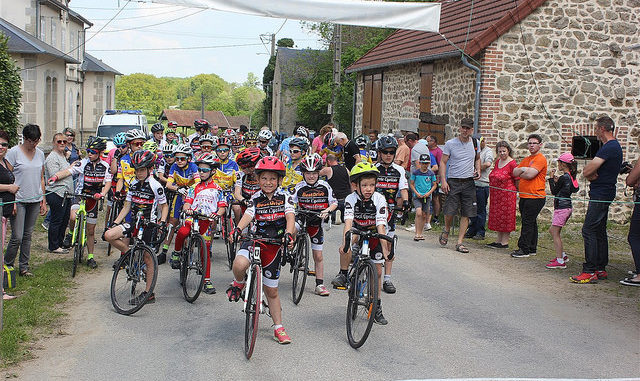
{"x": 529, "y": 210}
{"x": 21, "y": 229}
{"x": 477, "y": 223}
{"x": 335, "y": 212}
{"x": 634, "y": 236}
{"x": 59, "y": 220}
{"x": 594, "y": 233}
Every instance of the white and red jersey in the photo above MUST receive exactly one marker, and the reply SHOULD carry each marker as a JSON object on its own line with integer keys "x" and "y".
{"x": 269, "y": 213}
{"x": 145, "y": 196}
{"x": 366, "y": 215}
{"x": 206, "y": 198}
{"x": 94, "y": 175}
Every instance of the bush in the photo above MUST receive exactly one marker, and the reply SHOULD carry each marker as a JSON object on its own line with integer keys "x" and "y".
{"x": 10, "y": 96}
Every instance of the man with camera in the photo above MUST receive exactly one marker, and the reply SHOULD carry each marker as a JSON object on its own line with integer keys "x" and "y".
{"x": 602, "y": 172}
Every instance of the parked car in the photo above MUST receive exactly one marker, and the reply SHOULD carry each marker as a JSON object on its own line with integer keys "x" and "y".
{"x": 115, "y": 121}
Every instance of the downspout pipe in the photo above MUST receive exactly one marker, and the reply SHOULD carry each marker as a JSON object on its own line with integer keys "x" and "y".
{"x": 476, "y": 106}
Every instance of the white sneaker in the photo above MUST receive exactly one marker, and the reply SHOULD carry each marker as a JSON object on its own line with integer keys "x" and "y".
{"x": 427, "y": 226}
{"x": 411, "y": 228}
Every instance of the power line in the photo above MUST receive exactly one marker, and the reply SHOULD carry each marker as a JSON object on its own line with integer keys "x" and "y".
{"x": 156, "y": 24}
{"x": 84, "y": 42}
{"x": 279, "y": 29}
{"x": 141, "y": 16}
{"x": 173, "y": 48}
{"x": 130, "y": 9}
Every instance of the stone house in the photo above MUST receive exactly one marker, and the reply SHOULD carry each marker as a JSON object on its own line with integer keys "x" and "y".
{"x": 62, "y": 86}
{"x": 185, "y": 118}
{"x": 544, "y": 66}
{"x": 293, "y": 66}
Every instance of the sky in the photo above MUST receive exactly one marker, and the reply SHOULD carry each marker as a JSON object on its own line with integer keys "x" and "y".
{"x": 151, "y": 27}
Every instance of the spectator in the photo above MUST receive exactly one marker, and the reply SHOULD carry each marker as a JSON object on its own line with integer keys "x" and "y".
{"x": 503, "y": 195}
{"x": 215, "y": 129}
{"x": 28, "y": 167}
{"x": 338, "y": 178}
{"x": 403, "y": 154}
{"x": 55, "y": 162}
{"x": 71, "y": 151}
{"x": 633, "y": 180}
{"x": 602, "y": 172}
{"x": 532, "y": 172}
{"x": 432, "y": 144}
{"x": 373, "y": 137}
{"x": 562, "y": 187}
{"x": 318, "y": 141}
{"x": 459, "y": 167}
{"x": 476, "y": 225}
{"x": 283, "y": 150}
{"x": 422, "y": 184}
{"x": 8, "y": 188}
{"x": 417, "y": 149}
{"x": 351, "y": 151}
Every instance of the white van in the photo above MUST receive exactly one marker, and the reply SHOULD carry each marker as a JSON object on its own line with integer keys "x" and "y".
{"x": 115, "y": 121}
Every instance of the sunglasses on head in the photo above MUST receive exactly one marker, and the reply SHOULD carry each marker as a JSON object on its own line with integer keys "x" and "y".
{"x": 5, "y": 145}
{"x": 222, "y": 149}
{"x": 204, "y": 170}
{"x": 388, "y": 152}
{"x": 137, "y": 144}
{"x": 61, "y": 141}
{"x": 296, "y": 151}
{"x": 92, "y": 151}
{"x": 181, "y": 158}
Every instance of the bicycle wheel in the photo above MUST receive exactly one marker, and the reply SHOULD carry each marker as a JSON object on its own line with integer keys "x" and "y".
{"x": 193, "y": 268}
{"x": 361, "y": 308}
{"x": 130, "y": 278}
{"x": 77, "y": 251}
{"x": 231, "y": 245}
{"x": 252, "y": 310}
{"x": 115, "y": 210}
{"x": 300, "y": 267}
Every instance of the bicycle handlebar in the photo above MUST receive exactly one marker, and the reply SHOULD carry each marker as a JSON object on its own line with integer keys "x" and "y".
{"x": 370, "y": 234}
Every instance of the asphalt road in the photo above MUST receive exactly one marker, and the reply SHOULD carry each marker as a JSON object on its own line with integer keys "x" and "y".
{"x": 454, "y": 315}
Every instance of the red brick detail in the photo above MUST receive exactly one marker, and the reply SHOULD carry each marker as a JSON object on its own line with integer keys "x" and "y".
{"x": 492, "y": 63}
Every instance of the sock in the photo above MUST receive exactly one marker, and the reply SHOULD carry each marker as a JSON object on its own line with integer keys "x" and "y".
{"x": 319, "y": 281}
{"x": 343, "y": 272}
{"x": 387, "y": 278}
{"x": 238, "y": 284}
{"x": 560, "y": 260}
{"x": 89, "y": 256}
{"x": 165, "y": 247}
{"x": 564, "y": 255}
{"x": 276, "y": 326}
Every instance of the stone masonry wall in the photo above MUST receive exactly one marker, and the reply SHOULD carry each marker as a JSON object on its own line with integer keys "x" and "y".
{"x": 400, "y": 91}
{"x": 453, "y": 93}
{"x": 579, "y": 55}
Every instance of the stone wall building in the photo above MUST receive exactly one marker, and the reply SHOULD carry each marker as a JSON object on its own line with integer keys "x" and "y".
{"x": 550, "y": 67}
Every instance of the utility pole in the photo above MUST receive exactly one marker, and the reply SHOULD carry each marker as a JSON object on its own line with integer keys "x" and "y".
{"x": 202, "y": 106}
{"x": 337, "y": 67}
{"x": 273, "y": 45}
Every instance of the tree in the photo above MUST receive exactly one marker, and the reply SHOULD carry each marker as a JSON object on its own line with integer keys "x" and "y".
{"x": 10, "y": 95}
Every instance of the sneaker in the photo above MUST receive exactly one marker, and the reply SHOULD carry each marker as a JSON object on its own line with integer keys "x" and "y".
{"x": 45, "y": 225}
{"x": 175, "y": 260}
{"x": 59, "y": 251}
{"x": 66, "y": 242}
{"x": 379, "y": 317}
{"x": 602, "y": 274}
{"x": 138, "y": 299}
{"x": 92, "y": 263}
{"x": 208, "y": 287}
{"x": 519, "y": 254}
{"x": 216, "y": 235}
{"x": 533, "y": 253}
{"x": 427, "y": 226}
{"x": 281, "y": 336}
{"x": 162, "y": 258}
{"x": 322, "y": 290}
{"x": 340, "y": 281}
{"x": 411, "y": 228}
{"x": 478, "y": 237}
{"x": 495, "y": 245}
{"x": 584, "y": 278}
{"x": 565, "y": 257}
{"x": 469, "y": 235}
{"x": 554, "y": 264}
{"x": 388, "y": 287}
{"x": 630, "y": 282}
{"x": 338, "y": 222}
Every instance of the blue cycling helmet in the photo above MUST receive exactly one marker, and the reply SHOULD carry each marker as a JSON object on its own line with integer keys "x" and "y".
{"x": 120, "y": 138}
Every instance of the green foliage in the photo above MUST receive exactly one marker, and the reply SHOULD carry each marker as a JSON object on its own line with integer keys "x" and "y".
{"x": 152, "y": 95}
{"x": 10, "y": 95}
{"x": 285, "y": 43}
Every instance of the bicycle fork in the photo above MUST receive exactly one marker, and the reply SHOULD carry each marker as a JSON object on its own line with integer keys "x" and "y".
{"x": 264, "y": 305}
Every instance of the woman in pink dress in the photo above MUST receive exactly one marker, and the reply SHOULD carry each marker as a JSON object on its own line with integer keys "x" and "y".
{"x": 318, "y": 141}
{"x": 502, "y": 203}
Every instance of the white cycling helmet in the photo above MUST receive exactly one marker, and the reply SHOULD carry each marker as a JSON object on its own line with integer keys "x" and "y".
{"x": 265, "y": 135}
{"x": 167, "y": 148}
{"x": 185, "y": 149}
{"x": 135, "y": 134}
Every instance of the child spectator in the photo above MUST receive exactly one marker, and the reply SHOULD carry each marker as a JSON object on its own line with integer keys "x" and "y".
{"x": 422, "y": 183}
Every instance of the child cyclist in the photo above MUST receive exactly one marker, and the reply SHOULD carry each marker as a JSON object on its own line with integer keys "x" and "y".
{"x": 298, "y": 147}
{"x": 562, "y": 187}
{"x": 423, "y": 184}
{"x": 365, "y": 209}
{"x": 95, "y": 181}
{"x": 206, "y": 199}
{"x": 145, "y": 195}
{"x": 182, "y": 176}
{"x": 273, "y": 215}
{"x": 247, "y": 182}
{"x": 162, "y": 175}
{"x": 314, "y": 194}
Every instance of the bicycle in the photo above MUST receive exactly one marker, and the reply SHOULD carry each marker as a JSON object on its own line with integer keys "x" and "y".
{"x": 298, "y": 257}
{"x": 226, "y": 229}
{"x": 362, "y": 284}
{"x": 116, "y": 207}
{"x": 130, "y": 270}
{"x": 193, "y": 260}
{"x": 79, "y": 236}
{"x": 254, "y": 304}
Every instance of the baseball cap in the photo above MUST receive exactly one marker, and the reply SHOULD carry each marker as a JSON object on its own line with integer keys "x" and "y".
{"x": 566, "y": 157}
{"x": 425, "y": 158}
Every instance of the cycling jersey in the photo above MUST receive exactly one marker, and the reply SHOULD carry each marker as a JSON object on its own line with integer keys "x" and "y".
{"x": 94, "y": 175}
{"x": 391, "y": 180}
{"x": 229, "y": 166}
{"x": 248, "y": 184}
{"x": 313, "y": 197}
{"x": 292, "y": 177}
{"x": 126, "y": 171}
{"x": 184, "y": 177}
{"x": 269, "y": 214}
{"x": 145, "y": 196}
{"x": 366, "y": 215}
{"x": 266, "y": 151}
{"x": 206, "y": 198}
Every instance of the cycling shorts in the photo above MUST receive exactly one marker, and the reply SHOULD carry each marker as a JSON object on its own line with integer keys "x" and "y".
{"x": 270, "y": 256}
{"x": 316, "y": 234}
{"x": 375, "y": 250}
{"x": 178, "y": 202}
{"x": 128, "y": 231}
{"x": 92, "y": 211}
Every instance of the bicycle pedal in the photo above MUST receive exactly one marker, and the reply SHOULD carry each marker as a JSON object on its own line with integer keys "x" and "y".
{"x": 311, "y": 273}
{"x": 339, "y": 288}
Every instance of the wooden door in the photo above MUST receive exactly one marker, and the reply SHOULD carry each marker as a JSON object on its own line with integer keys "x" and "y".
{"x": 372, "y": 103}
{"x": 426, "y": 94}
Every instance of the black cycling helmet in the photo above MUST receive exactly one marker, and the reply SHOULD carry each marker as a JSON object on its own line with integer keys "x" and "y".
{"x": 386, "y": 142}
{"x": 201, "y": 123}
{"x": 98, "y": 144}
{"x": 143, "y": 159}
{"x": 302, "y": 143}
{"x": 157, "y": 127}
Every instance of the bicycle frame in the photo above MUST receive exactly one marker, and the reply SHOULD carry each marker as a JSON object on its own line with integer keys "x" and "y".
{"x": 82, "y": 210}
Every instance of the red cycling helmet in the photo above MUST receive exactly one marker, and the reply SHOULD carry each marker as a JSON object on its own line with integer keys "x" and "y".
{"x": 248, "y": 157}
{"x": 172, "y": 124}
{"x": 143, "y": 159}
{"x": 271, "y": 164}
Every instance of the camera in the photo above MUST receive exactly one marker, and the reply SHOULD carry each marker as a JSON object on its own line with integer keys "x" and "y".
{"x": 625, "y": 168}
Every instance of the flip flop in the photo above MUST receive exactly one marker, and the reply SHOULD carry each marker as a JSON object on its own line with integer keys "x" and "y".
{"x": 461, "y": 248}
{"x": 444, "y": 240}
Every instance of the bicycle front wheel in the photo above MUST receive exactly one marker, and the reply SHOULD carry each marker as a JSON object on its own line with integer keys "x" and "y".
{"x": 363, "y": 298}
{"x": 193, "y": 268}
{"x": 134, "y": 270}
{"x": 77, "y": 251}
{"x": 252, "y": 310}
{"x": 231, "y": 245}
{"x": 300, "y": 268}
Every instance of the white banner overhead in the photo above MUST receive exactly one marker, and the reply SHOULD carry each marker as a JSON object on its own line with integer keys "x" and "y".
{"x": 400, "y": 15}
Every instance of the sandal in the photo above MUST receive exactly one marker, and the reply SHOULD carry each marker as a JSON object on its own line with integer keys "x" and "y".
{"x": 25, "y": 273}
{"x": 444, "y": 239}
{"x": 6, "y": 296}
{"x": 418, "y": 238}
{"x": 461, "y": 248}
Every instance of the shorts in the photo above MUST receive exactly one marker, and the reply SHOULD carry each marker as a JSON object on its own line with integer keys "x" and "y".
{"x": 375, "y": 250}
{"x": 178, "y": 202}
{"x": 128, "y": 231}
{"x": 391, "y": 220}
{"x": 561, "y": 216}
{"x": 422, "y": 203}
{"x": 461, "y": 197}
{"x": 270, "y": 256}
{"x": 316, "y": 234}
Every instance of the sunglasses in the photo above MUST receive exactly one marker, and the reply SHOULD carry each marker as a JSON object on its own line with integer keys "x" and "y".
{"x": 122, "y": 146}
{"x": 92, "y": 151}
{"x": 61, "y": 141}
{"x": 206, "y": 148}
{"x": 388, "y": 152}
{"x": 181, "y": 158}
{"x": 137, "y": 144}
{"x": 204, "y": 170}
{"x": 222, "y": 150}
{"x": 252, "y": 144}
{"x": 70, "y": 136}
{"x": 295, "y": 151}
{"x": 264, "y": 141}
{"x": 169, "y": 155}
{"x": 5, "y": 145}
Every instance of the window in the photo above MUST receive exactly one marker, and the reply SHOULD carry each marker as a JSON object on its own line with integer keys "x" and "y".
{"x": 51, "y": 103}
{"x": 80, "y": 47}
{"x": 43, "y": 25}
{"x": 54, "y": 34}
{"x": 108, "y": 97}
{"x": 63, "y": 39}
